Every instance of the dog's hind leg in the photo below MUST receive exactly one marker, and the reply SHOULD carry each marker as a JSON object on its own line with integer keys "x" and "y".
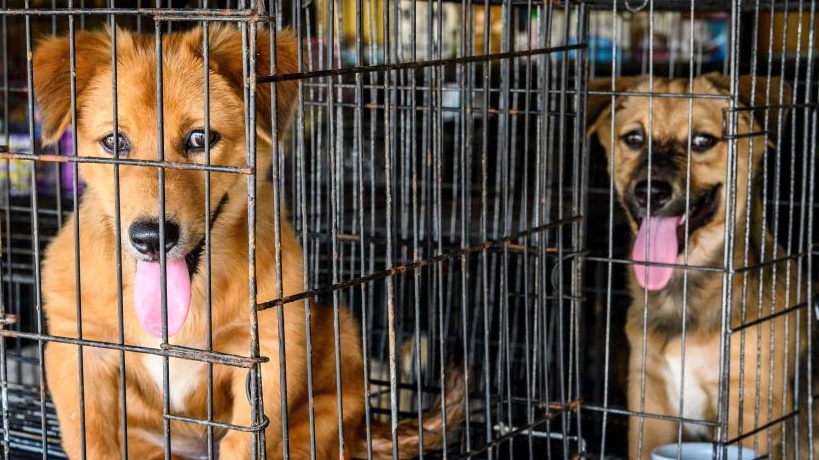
{"x": 145, "y": 450}
{"x": 237, "y": 444}
{"x": 325, "y": 431}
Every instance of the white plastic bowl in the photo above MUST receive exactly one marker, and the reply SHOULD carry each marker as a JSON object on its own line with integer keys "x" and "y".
{"x": 699, "y": 451}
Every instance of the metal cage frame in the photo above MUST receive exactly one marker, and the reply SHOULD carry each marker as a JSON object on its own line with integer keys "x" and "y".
{"x": 440, "y": 180}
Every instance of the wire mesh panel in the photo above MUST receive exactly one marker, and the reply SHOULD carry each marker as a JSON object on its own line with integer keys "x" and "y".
{"x": 478, "y": 229}
{"x": 702, "y": 117}
{"x": 456, "y": 178}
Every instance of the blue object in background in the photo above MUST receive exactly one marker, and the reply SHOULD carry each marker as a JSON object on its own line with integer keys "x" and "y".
{"x": 600, "y": 50}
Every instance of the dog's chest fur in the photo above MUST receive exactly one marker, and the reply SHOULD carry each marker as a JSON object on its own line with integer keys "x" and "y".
{"x": 695, "y": 383}
{"x": 183, "y": 375}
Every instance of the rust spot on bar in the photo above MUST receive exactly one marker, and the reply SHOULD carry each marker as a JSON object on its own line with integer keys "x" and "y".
{"x": 8, "y": 319}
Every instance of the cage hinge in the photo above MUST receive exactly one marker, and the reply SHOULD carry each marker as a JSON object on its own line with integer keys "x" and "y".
{"x": 265, "y": 421}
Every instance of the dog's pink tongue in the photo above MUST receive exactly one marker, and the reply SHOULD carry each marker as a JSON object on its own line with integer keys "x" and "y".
{"x": 662, "y": 249}
{"x": 147, "y": 296}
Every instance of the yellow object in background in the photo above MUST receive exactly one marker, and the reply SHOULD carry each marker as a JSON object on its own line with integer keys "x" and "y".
{"x": 773, "y": 40}
{"x": 451, "y": 39}
{"x": 16, "y": 173}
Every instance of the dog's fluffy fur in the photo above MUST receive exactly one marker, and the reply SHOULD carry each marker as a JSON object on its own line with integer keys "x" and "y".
{"x": 183, "y": 76}
{"x": 761, "y": 367}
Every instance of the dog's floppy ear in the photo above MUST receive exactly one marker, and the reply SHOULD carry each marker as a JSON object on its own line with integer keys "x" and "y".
{"x": 52, "y": 76}
{"x": 598, "y": 107}
{"x": 226, "y": 58}
{"x": 753, "y": 92}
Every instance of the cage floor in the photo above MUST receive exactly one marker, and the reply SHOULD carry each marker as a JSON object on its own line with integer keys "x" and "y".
{"x": 26, "y": 440}
{"x": 25, "y": 424}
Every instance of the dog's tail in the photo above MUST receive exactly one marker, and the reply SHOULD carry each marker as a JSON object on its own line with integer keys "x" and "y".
{"x": 431, "y": 426}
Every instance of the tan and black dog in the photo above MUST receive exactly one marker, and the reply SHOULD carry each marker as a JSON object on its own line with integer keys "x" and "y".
{"x": 678, "y": 222}
{"x": 185, "y": 225}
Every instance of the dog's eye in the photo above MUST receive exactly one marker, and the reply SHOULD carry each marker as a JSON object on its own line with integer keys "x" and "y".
{"x": 196, "y": 140}
{"x": 634, "y": 140}
{"x": 701, "y": 142}
{"x": 116, "y": 143}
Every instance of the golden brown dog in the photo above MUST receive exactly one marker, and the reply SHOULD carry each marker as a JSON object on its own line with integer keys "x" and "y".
{"x": 671, "y": 178}
{"x": 185, "y": 225}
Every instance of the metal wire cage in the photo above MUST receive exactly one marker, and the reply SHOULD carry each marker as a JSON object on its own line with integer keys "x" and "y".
{"x": 440, "y": 180}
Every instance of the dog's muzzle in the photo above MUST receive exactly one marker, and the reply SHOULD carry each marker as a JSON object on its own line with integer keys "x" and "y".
{"x": 145, "y": 237}
{"x": 159, "y": 306}
{"x": 663, "y": 221}
{"x": 657, "y": 195}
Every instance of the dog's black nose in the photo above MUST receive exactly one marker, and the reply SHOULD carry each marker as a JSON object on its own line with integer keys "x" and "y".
{"x": 145, "y": 237}
{"x": 660, "y": 194}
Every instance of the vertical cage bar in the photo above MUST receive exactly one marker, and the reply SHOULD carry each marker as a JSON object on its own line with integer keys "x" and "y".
{"x": 258, "y": 448}
{"x": 5, "y": 239}
{"x": 123, "y": 400}
{"x": 163, "y": 278}
{"x": 211, "y": 445}
{"x": 300, "y": 20}
{"x": 72, "y": 57}
{"x": 35, "y": 224}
